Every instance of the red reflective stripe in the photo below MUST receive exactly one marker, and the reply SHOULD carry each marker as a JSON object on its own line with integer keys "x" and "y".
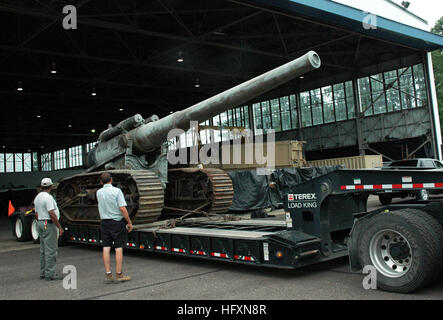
{"x": 221, "y": 255}
{"x": 245, "y": 258}
{"x": 394, "y": 186}
{"x": 202, "y": 253}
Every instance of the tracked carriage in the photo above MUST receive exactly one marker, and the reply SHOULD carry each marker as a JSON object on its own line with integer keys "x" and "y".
{"x": 135, "y": 153}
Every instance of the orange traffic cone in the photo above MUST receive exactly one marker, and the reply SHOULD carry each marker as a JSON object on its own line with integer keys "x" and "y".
{"x": 11, "y": 209}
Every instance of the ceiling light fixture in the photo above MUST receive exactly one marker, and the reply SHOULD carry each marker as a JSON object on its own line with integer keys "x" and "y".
{"x": 180, "y": 56}
{"x": 39, "y": 116}
{"x": 197, "y": 83}
{"x": 93, "y": 93}
{"x": 20, "y": 86}
{"x": 53, "y": 70}
{"x": 92, "y": 130}
{"x": 302, "y": 77}
{"x": 70, "y": 125}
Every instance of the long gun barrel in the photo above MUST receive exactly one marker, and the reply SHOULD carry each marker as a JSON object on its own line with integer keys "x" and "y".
{"x": 151, "y": 135}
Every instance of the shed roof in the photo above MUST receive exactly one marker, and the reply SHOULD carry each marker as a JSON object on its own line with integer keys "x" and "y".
{"x": 338, "y": 14}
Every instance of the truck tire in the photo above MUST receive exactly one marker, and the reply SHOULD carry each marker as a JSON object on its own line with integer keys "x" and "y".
{"x": 423, "y": 195}
{"x": 437, "y": 232}
{"x": 403, "y": 247}
{"x": 22, "y": 228}
{"x": 34, "y": 231}
{"x": 385, "y": 199}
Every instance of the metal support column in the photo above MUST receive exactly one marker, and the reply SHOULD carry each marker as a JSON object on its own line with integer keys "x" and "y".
{"x": 433, "y": 106}
{"x": 358, "y": 117}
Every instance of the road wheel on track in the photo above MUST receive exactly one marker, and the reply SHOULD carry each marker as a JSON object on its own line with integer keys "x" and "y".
{"x": 22, "y": 228}
{"x": 385, "y": 199}
{"x": 405, "y": 248}
{"x": 34, "y": 231}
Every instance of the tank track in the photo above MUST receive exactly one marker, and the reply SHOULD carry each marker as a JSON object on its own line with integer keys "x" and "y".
{"x": 142, "y": 189}
{"x": 145, "y": 196}
{"x": 209, "y": 190}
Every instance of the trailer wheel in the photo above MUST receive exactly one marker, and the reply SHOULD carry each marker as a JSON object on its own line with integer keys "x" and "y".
{"x": 423, "y": 195}
{"x": 34, "y": 231}
{"x": 385, "y": 199}
{"x": 437, "y": 233}
{"x": 404, "y": 249}
{"x": 22, "y": 228}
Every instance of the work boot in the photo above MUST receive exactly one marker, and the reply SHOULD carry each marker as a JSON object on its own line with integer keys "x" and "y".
{"x": 108, "y": 278}
{"x": 54, "y": 277}
{"x": 122, "y": 277}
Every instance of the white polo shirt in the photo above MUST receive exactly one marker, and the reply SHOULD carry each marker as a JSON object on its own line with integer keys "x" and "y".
{"x": 43, "y": 203}
{"x": 110, "y": 199}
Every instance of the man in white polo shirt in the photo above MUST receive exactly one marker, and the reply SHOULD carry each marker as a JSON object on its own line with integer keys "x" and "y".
{"x": 48, "y": 222}
{"x": 113, "y": 213}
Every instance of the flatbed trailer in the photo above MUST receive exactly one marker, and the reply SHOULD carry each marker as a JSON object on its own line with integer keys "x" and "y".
{"x": 325, "y": 218}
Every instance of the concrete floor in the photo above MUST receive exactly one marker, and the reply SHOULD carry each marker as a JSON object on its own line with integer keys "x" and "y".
{"x": 157, "y": 276}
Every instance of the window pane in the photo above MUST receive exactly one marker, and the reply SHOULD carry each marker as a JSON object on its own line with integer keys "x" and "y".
{"x": 46, "y": 161}
{"x": 378, "y": 94}
{"x": 75, "y": 156}
{"x": 317, "y": 112}
{"x": 224, "y": 120}
{"x": 34, "y": 161}
{"x": 246, "y": 116}
{"x": 216, "y": 120}
{"x": 328, "y": 104}
{"x": 257, "y": 116}
{"x": 420, "y": 86}
{"x": 90, "y": 146}
{"x": 266, "y": 115}
{"x": 276, "y": 117}
{"x": 18, "y": 162}
{"x": 9, "y": 162}
{"x": 305, "y": 109}
{"x": 365, "y": 96}
{"x": 350, "y": 103}
{"x": 407, "y": 88}
{"x": 392, "y": 95}
{"x": 285, "y": 113}
{"x": 340, "y": 102}
{"x": 60, "y": 159}
{"x": 27, "y": 162}
{"x": 2, "y": 162}
{"x": 294, "y": 111}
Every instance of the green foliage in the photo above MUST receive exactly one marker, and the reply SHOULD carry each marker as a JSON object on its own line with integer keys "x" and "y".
{"x": 437, "y": 59}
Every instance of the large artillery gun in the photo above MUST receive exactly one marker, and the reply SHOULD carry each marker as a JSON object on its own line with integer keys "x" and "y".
{"x": 135, "y": 152}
